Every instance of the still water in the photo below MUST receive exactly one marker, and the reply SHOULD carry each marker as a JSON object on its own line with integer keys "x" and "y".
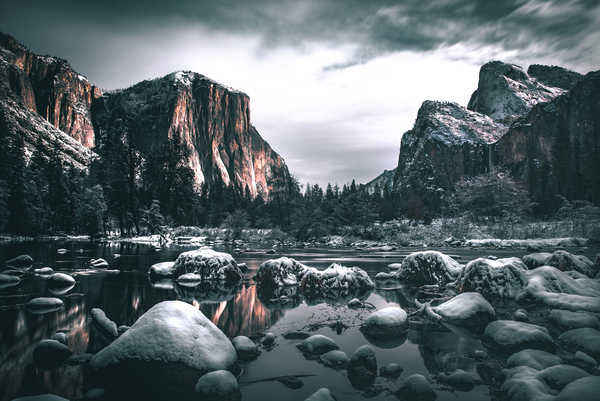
{"x": 127, "y": 295}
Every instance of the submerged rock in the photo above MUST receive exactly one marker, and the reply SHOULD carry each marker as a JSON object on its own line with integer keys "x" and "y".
{"x": 387, "y": 322}
{"x": 335, "y": 359}
{"x": 219, "y": 385}
{"x": 323, "y": 394}
{"x": 162, "y": 269}
{"x": 362, "y": 368}
{"x": 317, "y": 344}
{"x": 429, "y": 267}
{"x": 510, "y": 336}
{"x": 245, "y": 347}
{"x": 416, "y": 388}
{"x": 566, "y": 261}
{"x": 50, "y": 354}
{"x": 468, "y": 309}
{"x": 42, "y": 305}
{"x": 335, "y": 281}
{"x": 209, "y": 264}
{"x": 501, "y": 278}
{"x": 164, "y": 353}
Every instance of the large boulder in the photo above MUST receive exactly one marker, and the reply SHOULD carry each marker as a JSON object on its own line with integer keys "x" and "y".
{"x": 534, "y": 358}
{"x": 429, "y": 267}
{"x": 510, "y": 336}
{"x": 362, "y": 367}
{"x": 50, "y": 354}
{"x": 567, "y": 320}
{"x": 468, "y": 309}
{"x": 584, "y": 339}
{"x": 584, "y": 389}
{"x": 558, "y": 376}
{"x": 317, "y": 344}
{"x": 501, "y": 278}
{"x": 164, "y": 353}
{"x": 388, "y": 322}
{"x": 416, "y": 388}
{"x": 534, "y": 260}
{"x": 162, "y": 270}
{"x": 566, "y": 261}
{"x": 283, "y": 272}
{"x": 210, "y": 265}
{"x": 335, "y": 281}
{"x": 219, "y": 385}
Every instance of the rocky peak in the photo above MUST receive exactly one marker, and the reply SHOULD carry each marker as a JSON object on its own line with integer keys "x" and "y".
{"x": 48, "y": 86}
{"x": 552, "y": 75}
{"x": 506, "y": 92}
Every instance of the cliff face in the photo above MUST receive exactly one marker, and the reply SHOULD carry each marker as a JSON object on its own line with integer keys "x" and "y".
{"x": 210, "y": 120}
{"x": 49, "y": 87}
{"x": 381, "y": 181}
{"x": 555, "y": 149}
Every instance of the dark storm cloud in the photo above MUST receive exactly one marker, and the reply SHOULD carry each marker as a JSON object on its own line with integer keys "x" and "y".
{"x": 376, "y": 26}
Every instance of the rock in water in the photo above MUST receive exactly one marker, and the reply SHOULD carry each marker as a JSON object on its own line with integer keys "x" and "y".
{"x": 429, "y": 267}
{"x": 245, "y": 347}
{"x": 387, "y": 322}
{"x": 268, "y": 340}
{"x": 50, "y": 354}
{"x": 20, "y": 262}
{"x": 323, "y": 394}
{"x": 43, "y": 305}
{"x": 502, "y": 278}
{"x": 41, "y": 397}
{"x": 534, "y": 260}
{"x": 61, "y": 280}
{"x": 363, "y": 361}
{"x": 468, "y": 309}
{"x": 417, "y": 388}
{"x": 510, "y": 336}
{"x": 558, "y": 376}
{"x": 317, "y": 344}
{"x": 164, "y": 353}
{"x": 459, "y": 379}
{"x": 219, "y": 385}
{"x": 162, "y": 269}
{"x": 335, "y": 281}
{"x": 585, "y": 339}
{"x": 533, "y": 358}
{"x": 566, "y": 261}
{"x": 282, "y": 272}
{"x": 584, "y": 389}
{"x": 335, "y": 359}
{"x": 99, "y": 263}
{"x": 7, "y": 280}
{"x": 108, "y": 327}
{"x": 212, "y": 266}
{"x": 567, "y": 320}
{"x": 392, "y": 370}
{"x": 44, "y": 271}
{"x": 60, "y": 337}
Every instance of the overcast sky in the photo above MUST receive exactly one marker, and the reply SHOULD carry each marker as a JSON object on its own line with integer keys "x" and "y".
{"x": 333, "y": 83}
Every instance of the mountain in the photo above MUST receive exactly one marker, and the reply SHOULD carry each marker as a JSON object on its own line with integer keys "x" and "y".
{"x": 383, "y": 179}
{"x": 52, "y": 105}
{"x": 514, "y": 120}
{"x": 209, "y": 119}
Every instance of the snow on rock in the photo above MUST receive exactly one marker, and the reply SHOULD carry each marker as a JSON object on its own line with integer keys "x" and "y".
{"x": 417, "y": 387}
{"x": 566, "y": 242}
{"x": 335, "y": 281}
{"x": 335, "y": 359}
{"x": 584, "y": 389}
{"x": 429, "y": 267}
{"x": 42, "y": 305}
{"x": 584, "y": 339}
{"x": 534, "y": 260}
{"x": 219, "y": 385}
{"x": 566, "y": 261}
{"x": 317, "y": 344}
{"x": 282, "y": 272}
{"x": 565, "y": 319}
{"x": 510, "y": 336}
{"x": 209, "y": 264}
{"x": 165, "y": 352}
{"x": 162, "y": 269}
{"x": 322, "y": 394}
{"x": 387, "y": 322}
{"x": 189, "y": 280}
{"x": 501, "y": 278}
{"x": 245, "y": 347}
{"x": 468, "y": 309}
{"x": 534, "y": 358}
{"x": 49, "y": 354}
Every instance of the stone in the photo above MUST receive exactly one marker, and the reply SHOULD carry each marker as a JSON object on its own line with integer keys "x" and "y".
{"x": 362, "y": 368}
{"x": 60, "y": 337}
{"x": 245, "y": 347}
{"x": 521, "y": 315}
{"x": 558, "y": 376}
{"x": 392, "y": 370}
{"x": 510, "y": 336}
{"x": 584, "y": 360}
{"x": 566, "y": 261}
{"x": 99, "y": 263}
{"x": 417, "y": 388}
{"x": 584, "y": 339}
{"x": 566, "y": 320}
{"x": 317, "y": 344}
{"x": 584, "y": 389}
{"x": 533, "y": 358}
{"x": 355, "y": 303}
{"x": 387, "y": 322}
{"x": 502, "y": 278}
{"x": 8, "y": 280}
{"x": 468, "y": 309}
{"x": 50, "y": 354}
{"x": 20, "y": 262}
{"x": 459, "y": 380}
{"x": 162, "y": 269}
{"x": 44, "y": 271}
{"x": 209, "y": 265}
{"x": 268, "y": 340}
{"x": 429, "y": 267}
{"x": 335, "y": 281}
{"x": 61, "y": 280}
{"x": 219, "y": 385}
{"x": 335, "y": 359}
{"x": 107, "y": 326}
{"x": 43, "y": 305}
{"x": 323, "y": 394}
{"x": 534, "y": 260}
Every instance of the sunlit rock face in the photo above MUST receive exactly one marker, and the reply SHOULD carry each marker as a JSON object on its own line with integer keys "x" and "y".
{"x": 49, "y": 87}
{"x": 209, "y": 119}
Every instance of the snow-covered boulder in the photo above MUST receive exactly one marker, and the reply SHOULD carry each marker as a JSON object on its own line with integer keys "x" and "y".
{"x": 219, "y": 385}
{"x": 245, "y": 347}
{"x": 510, "y": 336}
{"x": 585, "y": 339}
{"x": 335, "y": 359}
{"x": 584, "y": 389}
{"x": 317, "y": 344}
{"x": 50, "y": 354}
{"x": 165, "y": 352}
{"x": 566, "y": 320}
{"x": 189, "y": 280}
{"x": 501, "y": 278}
{"x": 43, "y": 305}
{"x": 566, "y": 261}
{"x": 322, "y": 394}
{"x": 209, "y": 264}
{"x": 416, "y": 387}
{"x": 277, "y": 273}
{"x": 162, "y": 270}
{"x": 387, "y": 322}
{"x": 534, "y": 260}
{"x": 428, "y": 267}
{"x": 335, "y": 281}
{"x": 468, "y": 309}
